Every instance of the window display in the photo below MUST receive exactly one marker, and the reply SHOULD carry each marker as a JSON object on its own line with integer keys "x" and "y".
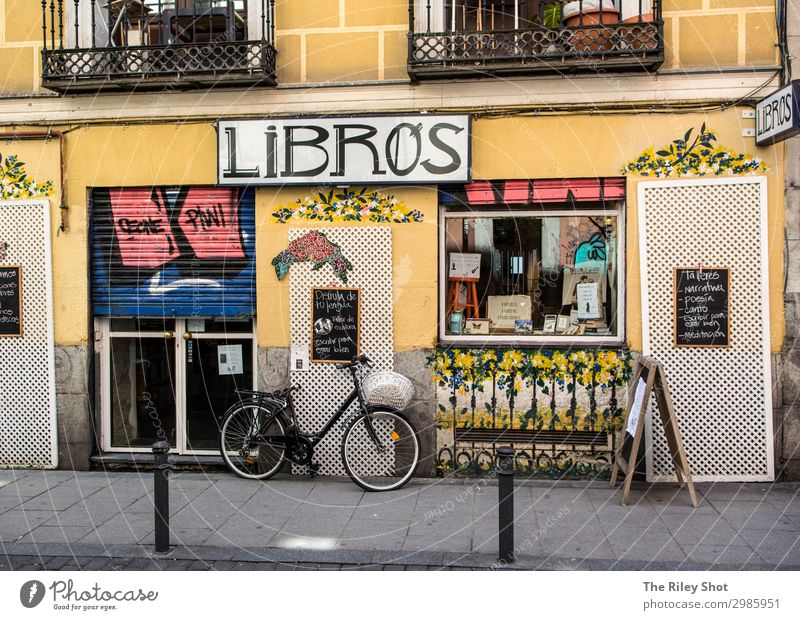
{"x": 523, "y": 273}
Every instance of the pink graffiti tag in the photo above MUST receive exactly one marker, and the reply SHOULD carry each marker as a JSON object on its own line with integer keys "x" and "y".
{"x": 210, "y": 220}
{"x": 142, "y": 226}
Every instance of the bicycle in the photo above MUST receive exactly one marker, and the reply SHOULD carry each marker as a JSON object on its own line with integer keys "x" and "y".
{"x": 380, "y": 447}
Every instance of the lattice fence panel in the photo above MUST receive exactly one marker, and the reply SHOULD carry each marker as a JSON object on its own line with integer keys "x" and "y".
{"x": 722, "y": 396}
{"x": 27, "y": 388}
{"x": 324, "y": 387}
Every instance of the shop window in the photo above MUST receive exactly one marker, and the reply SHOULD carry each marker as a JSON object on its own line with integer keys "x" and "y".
{"x": 532, "y": 261}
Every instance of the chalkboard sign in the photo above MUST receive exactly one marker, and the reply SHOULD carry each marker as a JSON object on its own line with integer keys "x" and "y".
{"x": 335, "y": 324}
{"x": 701, "y": 307}
{"x": 11, "y": 301}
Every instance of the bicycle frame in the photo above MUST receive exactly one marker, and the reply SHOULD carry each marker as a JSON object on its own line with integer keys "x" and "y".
{"x": 287, "y": 441}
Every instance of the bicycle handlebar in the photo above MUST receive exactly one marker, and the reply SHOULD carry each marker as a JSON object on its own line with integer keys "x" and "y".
{"x": 358, "y": 360}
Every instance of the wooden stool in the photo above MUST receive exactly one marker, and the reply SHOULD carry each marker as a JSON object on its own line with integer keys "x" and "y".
{"x": 472, "y": 296}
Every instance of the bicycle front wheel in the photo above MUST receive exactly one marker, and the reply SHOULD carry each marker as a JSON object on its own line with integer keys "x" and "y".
{"x": 382, "y": 460}
{"x": 241, "y": 455}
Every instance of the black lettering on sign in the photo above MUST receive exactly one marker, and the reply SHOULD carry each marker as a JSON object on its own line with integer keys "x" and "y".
{"x": 701, "y": 307}
{"x": 335, "y": 324}
{"x": 11, "y": 301}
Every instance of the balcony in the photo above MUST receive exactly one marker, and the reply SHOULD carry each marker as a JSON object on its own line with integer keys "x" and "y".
{"x": 466, "y": 38}
{"x": 94, "y": 45}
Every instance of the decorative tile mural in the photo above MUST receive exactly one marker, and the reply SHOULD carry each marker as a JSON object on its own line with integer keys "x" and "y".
{"x": 693, "y": 155}
{"x": 559, "y": 409}
{"x": 348, "y": 205}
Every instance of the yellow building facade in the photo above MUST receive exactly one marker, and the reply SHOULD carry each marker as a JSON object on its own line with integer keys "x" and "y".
{"x": 605, "y": 158}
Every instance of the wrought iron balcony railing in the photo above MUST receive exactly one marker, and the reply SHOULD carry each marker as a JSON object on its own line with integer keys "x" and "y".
{"x": 451, "y": 38}
{"x": 91, "y": 45}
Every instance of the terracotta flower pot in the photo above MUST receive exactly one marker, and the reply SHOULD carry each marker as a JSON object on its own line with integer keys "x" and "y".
{"x": 587, "y": 39}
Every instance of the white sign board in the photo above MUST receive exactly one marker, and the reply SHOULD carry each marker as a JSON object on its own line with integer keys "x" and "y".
{"x": 230, "y": 359}
{"x": 424, "y": 148}
{"x": 636, "y": 407}
{"x": 464, "y": 265}
{"x": 778, "y": 116}
{"x": 299, "y": 358}
{"x": 506, "y": 310}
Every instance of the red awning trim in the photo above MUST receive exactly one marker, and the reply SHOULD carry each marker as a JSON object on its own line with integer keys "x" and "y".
{"x": 545, "y": 191}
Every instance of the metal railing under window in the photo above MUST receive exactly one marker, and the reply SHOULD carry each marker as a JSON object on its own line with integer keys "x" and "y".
{"x": 463, "y": 34}
{"x": 87, "y": 43}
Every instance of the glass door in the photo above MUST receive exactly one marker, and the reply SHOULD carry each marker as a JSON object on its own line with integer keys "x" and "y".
{"x": 140, "y": 384}
{"x": 218, "y": 359}
{"x": 172, "y": 380}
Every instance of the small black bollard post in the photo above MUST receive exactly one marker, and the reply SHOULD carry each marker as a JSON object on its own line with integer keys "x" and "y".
{"x": 505, "y": 485}
{"x": 161, "y": 494}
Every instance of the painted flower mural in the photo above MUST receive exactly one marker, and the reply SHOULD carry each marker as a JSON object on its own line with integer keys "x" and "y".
{"x": 317, "y": 248}
{"x": 694, "y": 155}
{"x": 348, "y": 206}
{"x": 15, "y": 184}
{"x": 527, "y": 397}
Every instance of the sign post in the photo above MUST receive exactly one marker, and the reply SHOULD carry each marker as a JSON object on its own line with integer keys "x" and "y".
{"x": 639, "y": 397}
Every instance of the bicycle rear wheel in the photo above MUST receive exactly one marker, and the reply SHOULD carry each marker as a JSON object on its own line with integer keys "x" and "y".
{"x": 257, "y": 462}
{"x": 388, "y": 464}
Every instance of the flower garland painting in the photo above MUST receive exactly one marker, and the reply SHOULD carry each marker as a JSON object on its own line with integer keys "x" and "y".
{"x": 694, "y": 156}
{"x": 14, "y": 181}
{"x": 349, "y": 206}
{"x": 317, "y": 248}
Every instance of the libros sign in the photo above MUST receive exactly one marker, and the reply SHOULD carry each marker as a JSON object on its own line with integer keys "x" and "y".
{"x": 422, "y": 148}
{"x": 778, "y": 116}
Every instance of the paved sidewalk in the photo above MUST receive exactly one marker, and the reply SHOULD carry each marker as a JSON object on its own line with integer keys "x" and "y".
{"x": 104, "y": 520}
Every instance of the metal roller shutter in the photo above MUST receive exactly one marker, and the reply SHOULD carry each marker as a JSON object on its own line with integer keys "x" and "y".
{"x": 177, "y": 251}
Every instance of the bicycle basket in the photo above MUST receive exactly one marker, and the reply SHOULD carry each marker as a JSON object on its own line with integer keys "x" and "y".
{"x": 384, "y": 387}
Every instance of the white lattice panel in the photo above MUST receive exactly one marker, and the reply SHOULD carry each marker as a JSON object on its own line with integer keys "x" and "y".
{"x": 27, "y": 379}
{"x": 722, "y": 396}
{"x": 324, "y": 387}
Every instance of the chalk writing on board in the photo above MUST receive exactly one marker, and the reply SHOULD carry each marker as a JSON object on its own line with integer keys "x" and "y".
{"x": 701, "y": 307}
{"x": 334, "y": 324}
{"x": 11, "y": 301}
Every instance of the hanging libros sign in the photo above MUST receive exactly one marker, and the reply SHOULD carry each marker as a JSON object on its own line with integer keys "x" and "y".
{"x": 423, "y": 148}
{"x": 778, "y": 115}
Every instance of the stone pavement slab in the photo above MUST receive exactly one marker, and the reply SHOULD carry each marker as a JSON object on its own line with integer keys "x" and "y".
{"x": 563, "y": 524}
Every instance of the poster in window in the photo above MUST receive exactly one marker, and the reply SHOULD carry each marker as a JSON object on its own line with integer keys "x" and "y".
{"x": 230, "y": 359}
{"x": 588, "y": 303}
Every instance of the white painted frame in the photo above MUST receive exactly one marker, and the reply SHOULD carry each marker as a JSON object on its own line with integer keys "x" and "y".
{"x": 766, "y": 360}
{"x": 103, "y": 346}
{"x": 550, "y": 339}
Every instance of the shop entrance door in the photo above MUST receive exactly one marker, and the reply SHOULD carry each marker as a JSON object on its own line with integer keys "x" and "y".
{"x": 172, "y": 380}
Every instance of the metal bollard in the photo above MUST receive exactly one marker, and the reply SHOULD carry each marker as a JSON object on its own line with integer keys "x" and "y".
{"x": 505, "y": 485}
{"x": 161, "y": 494}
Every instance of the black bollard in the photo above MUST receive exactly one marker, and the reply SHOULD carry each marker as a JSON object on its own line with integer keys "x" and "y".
{"x": 505, "y": 485}
{"x": 161, "y": 494}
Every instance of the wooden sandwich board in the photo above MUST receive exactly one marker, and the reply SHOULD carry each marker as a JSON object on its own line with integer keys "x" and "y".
{"x": 638, "y": 399}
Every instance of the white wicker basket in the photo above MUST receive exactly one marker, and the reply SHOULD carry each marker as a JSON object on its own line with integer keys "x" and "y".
{"x": 384, "y": 387}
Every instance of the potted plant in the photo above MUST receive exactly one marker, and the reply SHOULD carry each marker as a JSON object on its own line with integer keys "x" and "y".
{"x": 585, "y": 13}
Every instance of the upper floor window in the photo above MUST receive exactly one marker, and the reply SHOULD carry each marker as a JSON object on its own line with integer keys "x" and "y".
{"x": 465, "y": 37}
{"x": 92, "y": 44}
